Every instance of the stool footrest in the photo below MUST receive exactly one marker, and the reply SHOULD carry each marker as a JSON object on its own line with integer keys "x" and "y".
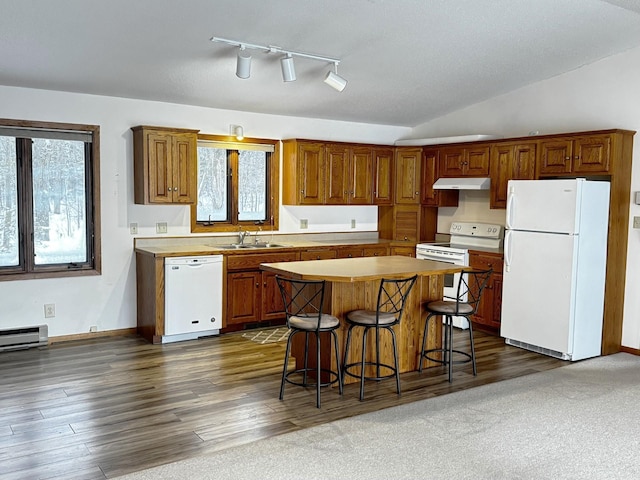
{"x": 310, "y": 372}
{"x": 444, "y": 352}
{"x": 369, "y": 364}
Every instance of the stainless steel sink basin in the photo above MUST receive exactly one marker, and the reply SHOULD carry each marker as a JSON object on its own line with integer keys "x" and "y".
{"x": 234, "y": 246}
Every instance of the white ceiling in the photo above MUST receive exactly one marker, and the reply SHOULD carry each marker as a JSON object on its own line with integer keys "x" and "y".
{"x": 407, "y": 61}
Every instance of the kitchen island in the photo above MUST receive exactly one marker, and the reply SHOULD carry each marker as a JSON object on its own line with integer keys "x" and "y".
{"x": 353, "y": 283}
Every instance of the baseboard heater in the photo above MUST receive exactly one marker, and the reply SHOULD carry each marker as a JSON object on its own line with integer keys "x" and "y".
{"x": 537, "y": 349}
{"x": 26, "y": 337}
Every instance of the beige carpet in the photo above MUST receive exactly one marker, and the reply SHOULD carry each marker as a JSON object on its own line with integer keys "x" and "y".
{"x": 581, "y": 421}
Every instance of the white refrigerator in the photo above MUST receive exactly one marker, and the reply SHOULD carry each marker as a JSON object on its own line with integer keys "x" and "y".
{"x": 555, "y": 251}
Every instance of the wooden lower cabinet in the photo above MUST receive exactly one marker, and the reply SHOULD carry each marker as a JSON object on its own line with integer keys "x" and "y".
{"x": 253, "y": 295}
{"x": 318, "y": 254}
{"x": 489, "y": 310}
{"x": 405, "y": 251}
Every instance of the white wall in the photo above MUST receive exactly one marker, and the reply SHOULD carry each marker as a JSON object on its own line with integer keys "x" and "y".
{"x": 108, "y": 301}
{"x": 602, "y": 95}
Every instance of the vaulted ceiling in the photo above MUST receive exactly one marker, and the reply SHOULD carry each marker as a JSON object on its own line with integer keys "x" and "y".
{"x": 406, "y": 61}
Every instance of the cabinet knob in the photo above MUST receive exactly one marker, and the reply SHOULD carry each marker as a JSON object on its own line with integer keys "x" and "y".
{"x": 264, "y": 284}
{"x": 577, "y": 157}
{"x": 257, "y": 285}
{"x": 567, "y": 158}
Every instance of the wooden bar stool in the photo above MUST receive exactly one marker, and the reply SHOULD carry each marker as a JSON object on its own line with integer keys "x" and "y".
{"x": 303, "y": 301}
{"x": 469, "y": 292}
{"x": 392, "y": 296}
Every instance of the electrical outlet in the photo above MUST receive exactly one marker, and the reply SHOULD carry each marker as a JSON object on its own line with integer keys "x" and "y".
{"x": 304, "y": 223}
{"x": 93, "y": 329}
{"x": 161, "y": 227}
{"x": 49, "y": 310}
{"x": 636, "y": 222}
{"x": 353, "y": 223}
{"x": 133, "y": 228}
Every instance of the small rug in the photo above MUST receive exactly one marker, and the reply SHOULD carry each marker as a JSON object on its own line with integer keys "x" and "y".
{"x": 271, "y": 335}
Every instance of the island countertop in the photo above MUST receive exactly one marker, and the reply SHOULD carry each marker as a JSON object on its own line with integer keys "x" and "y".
{"x": 360, "y": 269}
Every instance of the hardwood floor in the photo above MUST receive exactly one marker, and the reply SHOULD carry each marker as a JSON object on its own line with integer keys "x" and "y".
{"x": 100, "y": 408}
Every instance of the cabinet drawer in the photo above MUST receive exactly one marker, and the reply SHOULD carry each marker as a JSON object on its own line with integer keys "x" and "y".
{"x": 253, "y": 261}
{"x": 485, "y": 261}
{"x": 317, "y": 254}
{"x": 377, "y": 251}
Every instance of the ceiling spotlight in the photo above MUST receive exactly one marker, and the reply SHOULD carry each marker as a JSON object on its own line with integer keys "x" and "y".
{"x": 288, "y": 69}
{"x": 243, "y": 65}
{"x": 236, "y": 131}
{"x": 334, "y": 80}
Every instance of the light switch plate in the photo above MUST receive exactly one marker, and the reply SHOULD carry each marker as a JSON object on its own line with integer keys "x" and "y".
{"x": 636, "y": 222}
{"x": 133, "y": 228}
{"x": 304, "y": 223}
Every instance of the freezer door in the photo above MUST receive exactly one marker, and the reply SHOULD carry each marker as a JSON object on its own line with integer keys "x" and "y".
{"x": 544, "y": 205}
{"x": 539, "y": 289}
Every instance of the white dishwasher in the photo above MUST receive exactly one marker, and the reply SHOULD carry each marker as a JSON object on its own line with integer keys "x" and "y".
{"x": 193, "y": 297}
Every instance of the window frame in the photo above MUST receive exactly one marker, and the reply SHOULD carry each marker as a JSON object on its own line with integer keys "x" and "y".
{"x": 26, "y": 268}
{"x": 273, "y": 191}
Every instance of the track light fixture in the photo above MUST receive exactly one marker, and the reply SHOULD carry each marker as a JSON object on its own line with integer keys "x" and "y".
{"x": 243, "y": 65}
{"x": 334, "y": 80}
{"x": 288, "y": 68}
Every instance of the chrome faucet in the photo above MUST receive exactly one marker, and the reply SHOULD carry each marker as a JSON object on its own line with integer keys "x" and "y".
{"x": 241, "y": 236}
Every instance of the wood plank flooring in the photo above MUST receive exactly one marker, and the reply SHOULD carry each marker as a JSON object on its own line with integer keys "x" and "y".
{"x": 96, "y": 409}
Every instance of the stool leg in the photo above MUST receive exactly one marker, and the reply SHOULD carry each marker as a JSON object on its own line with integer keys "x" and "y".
{"x": 395, "y": 359}
{"x": 377, "y": 351}
{"x": 306, "y": 357}
{"x": 338, "y": 368}
{"x": 424, "y": 342}
{"x": 286, "y": 364}
{"x": 318, "y": 378}
{"x": 362, "y": 366}
{"x": 473, "y": 350}
{"x": 346, "y": 349}
{"x": 450, "y": 335}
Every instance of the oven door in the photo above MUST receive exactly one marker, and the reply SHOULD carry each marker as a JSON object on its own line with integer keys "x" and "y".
{"x": 451, "y": 280}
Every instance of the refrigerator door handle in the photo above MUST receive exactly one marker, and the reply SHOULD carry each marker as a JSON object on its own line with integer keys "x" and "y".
{"x": 507, "y": 250}
{"x": 511, "y": 198}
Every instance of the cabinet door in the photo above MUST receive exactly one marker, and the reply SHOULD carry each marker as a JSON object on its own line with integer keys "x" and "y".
{"x": 160, "y": 172}
{"x": 243, "y": 297}
{"x": 320, "y": 254}
{"x": 360, "y": 176}
{"x": 476, "y": 161}
{"x": 429, "y": 174}
{"x": 404, "y": 251}
{"x": 311, "y": 174}
{"x": 408, "y": 175}
{"x": 184, "y": 163}
{"x": 272, "y": 305}
{"x": 452, "y": 162}
{"x": 592, "y": 154}
{"x": 406, "y": 220}
{"x": 383, "y": 176}
{"x": 555, "y": 157}
{"x": 510, "y": 161}
{"x": 490, "y": 307}
{"x": 336, "y": 175}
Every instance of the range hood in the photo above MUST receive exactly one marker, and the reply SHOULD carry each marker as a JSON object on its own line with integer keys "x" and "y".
{"x": 463, "y": 183}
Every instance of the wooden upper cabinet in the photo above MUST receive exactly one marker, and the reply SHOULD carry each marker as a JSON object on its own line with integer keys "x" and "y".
{"x": 510, "y": 161}
{"x": 382, "y": 176}
{"x": 337, "y": 175}
{"x": 464, "y": 161}
{"x": 361, "y": 176}
{"x": 165, "y": 165}
{"x": 407, "y": 175}
{"x": 303, "y": 172}
{"x": 575, "y": 155}
{"x": 429, "y": 172}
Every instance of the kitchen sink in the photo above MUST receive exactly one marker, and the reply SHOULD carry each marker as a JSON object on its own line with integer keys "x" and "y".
{"x": 238, "y": 246}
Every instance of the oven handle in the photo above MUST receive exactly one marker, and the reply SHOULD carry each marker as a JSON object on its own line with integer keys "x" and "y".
{"x": 438, "y": 258}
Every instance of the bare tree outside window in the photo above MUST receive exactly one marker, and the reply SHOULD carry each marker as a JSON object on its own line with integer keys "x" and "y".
{"x": 8, "y": 202}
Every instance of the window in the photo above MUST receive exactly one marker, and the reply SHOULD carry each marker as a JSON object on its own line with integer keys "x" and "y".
{"x": 48, "y": 199}
{"x": 237, "y": 184}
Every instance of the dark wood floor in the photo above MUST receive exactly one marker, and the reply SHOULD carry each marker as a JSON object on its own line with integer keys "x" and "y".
{"x": 105, "y": 407}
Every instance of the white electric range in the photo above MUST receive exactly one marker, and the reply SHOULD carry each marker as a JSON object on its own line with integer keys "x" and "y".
{"x": 464, "y": 236}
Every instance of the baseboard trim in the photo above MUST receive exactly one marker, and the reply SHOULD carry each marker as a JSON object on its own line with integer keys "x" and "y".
{"x": 632, "y": 351}
{"x": 85, "y": 336}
